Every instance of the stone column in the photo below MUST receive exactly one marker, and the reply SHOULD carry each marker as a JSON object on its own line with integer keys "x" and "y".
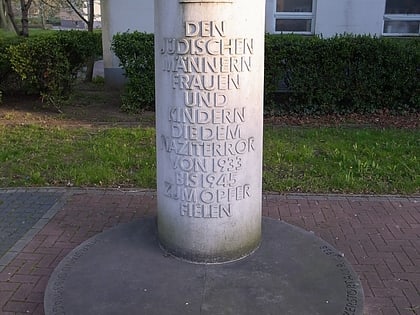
{"x": 209, "y": 95}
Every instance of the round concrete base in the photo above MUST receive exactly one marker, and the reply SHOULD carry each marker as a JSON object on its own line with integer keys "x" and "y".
{"x": 124, "y": 271}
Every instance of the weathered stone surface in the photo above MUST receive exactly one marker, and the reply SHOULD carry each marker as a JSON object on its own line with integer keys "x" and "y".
{"x": 123, "y": 271}
{"x": 209, "y": 91}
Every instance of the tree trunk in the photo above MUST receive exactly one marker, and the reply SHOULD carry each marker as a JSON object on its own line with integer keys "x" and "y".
{"x": 24, "y": 6}
{"x": 7, "y": 20}
{"x": 4, "y": 18}
{"x": 42, "y": 13}
{"x": 89, "y": 69}
{"x": 90, "y": 22}
{"x": 91, "y": 15}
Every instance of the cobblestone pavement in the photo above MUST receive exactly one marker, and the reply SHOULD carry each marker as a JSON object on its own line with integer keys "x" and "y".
{"x": 379, "y": 235}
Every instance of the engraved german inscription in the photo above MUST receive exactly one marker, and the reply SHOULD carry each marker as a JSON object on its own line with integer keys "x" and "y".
{"x": 207, "y": 145}
{"x": 351, "y": 283}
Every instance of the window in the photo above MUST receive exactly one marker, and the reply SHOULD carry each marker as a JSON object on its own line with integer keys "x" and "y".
{"x": 402, "y": 17}
{"x": 294, "y": 16}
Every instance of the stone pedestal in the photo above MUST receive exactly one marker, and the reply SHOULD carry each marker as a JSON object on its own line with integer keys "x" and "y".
{"x": 209, "y": 96}
{"x": 123, "y": 271}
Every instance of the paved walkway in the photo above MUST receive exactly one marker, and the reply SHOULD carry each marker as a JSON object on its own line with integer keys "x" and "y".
{"x": 380, "y": 236}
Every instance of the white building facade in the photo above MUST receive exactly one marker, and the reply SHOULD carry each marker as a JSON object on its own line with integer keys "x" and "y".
{"x": 307, "y": 17}
{"x": 331, "y": 17}
{"x": 70, "y": 20}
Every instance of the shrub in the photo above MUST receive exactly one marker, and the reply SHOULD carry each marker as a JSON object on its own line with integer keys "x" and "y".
{"x": 44, "y": 66}
{"x": 49, "y": 64}
{"x": 136, "y": 53}
{"x": 9, "y": 80}
{"x": 342, "y": 74}
{"x": 79, "y": 46}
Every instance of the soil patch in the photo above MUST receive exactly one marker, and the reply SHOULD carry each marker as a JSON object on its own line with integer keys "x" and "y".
{"x": 95, "y": 105}
{"x": 90, "y": 105}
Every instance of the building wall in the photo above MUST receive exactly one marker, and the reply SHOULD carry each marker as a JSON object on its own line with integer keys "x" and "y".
{"x": 349, "y": 16}
{"x": 70, "y": 19}
{"x": 97, "y": 13}
{"x": 337, "y": 17}
{"x": 118, "y": 17}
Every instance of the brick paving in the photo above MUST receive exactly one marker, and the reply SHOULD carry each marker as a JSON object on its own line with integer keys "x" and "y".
{"x": 18, "y": 214}
{"x": 380, "y": 236}
{"x": 20, "y": 210}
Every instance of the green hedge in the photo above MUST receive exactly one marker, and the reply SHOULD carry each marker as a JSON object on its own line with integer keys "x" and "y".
{"x": 136, "y": 53}
{"x": 342, "y": 74}
{"x": 46, "y": 64}
{"x": 9, "y": 80}
{"x": 305, "y": 75}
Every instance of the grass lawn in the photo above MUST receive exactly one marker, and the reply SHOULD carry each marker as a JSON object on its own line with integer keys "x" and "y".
{"x": 296, "y": 159}
{"x": 350, "y": 160}
{"x": 39, "y": 156}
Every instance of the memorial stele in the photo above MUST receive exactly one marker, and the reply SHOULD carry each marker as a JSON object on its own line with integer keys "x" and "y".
{"x": 209, "y": 95}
